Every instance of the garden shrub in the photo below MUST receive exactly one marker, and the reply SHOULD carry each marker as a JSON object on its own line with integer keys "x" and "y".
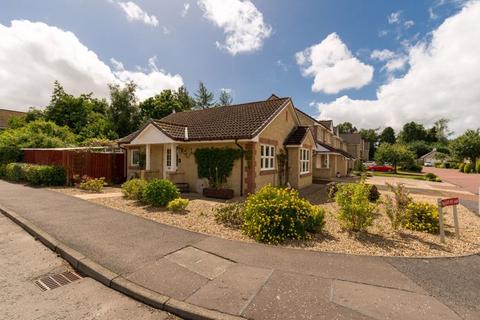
{"x": 316, "y": 220}
{"x": 178, "y": 204}
{"x": 395, "y": 208}
{"x": 216, "y": 164}
{"x": 44, "y": 175}
{"x": 477, "y": 166}
{"x": 461, "y": 166}
{"x": 273, "y": 215}
{"x": 9, "y": 154}
{"x": 467, "y": 168}
{"x": 356, "y": 212}
{"x": 430, "y": 176}
{"x": 230, "y": 215}
{"x": 159, "y": 192}
{"x": 374, "y": 194}
{"x": 35, "y": 174}
{"x": 15, "y": 172}
{"x": 412, "y": 167}
{"x": 94, "y": 185}
{"x": 3, "y": 170}
{"x": 332, "y": 189}
{"x": 422, "y": 216}
{"x": 133, "y": 189}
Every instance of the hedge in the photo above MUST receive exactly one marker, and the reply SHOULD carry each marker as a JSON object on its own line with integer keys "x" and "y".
{"x": 35, "y": 174}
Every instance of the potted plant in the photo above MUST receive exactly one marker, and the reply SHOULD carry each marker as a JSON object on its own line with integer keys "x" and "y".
{"x": 216, "y": 165}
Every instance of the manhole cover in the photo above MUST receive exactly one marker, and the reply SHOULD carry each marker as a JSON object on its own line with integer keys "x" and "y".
{"x": 57, "y": 280}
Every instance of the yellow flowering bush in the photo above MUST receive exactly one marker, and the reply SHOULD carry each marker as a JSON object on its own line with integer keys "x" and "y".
{"x": 422, "y": 216}
{"x": 273, "y": 215}
{"x": 356, "y": 212}
{"x": 179, "y": 204}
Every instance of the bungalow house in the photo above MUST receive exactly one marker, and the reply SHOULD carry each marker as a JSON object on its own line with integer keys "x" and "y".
{"x": 264, "y": 129}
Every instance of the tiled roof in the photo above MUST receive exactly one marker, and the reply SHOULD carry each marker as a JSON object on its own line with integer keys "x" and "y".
{"x": 326, "y": 123}
{"x": 354, "y": 138}
{"x": 296, "y": 136}
{"x": 335, "y": 150}
{"x": 241, "y": 121}
{"x": 312, "y": 119}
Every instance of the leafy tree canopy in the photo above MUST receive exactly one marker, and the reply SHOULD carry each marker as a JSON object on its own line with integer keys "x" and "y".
{"x": 412, "y": 131}
{"x": 467, "y": 146}
{"x": 394, "y": 154}
{"x": 123, "y": 113}
{"x": 204, "y": 99}
{"x": 346, "y": 127}
{"x": 38, "y": 134}
{"x": 387, "y": 136}
{"x": 225, "y": 98}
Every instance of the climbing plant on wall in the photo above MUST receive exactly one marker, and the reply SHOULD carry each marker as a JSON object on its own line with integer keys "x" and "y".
{"x": 216, "y": 164}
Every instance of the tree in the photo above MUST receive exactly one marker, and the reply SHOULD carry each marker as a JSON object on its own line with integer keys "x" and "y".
{"x": 394, "y": 154}
{"x": 432, "y": 135}
{"x": 412, "y": 131}
{"x": 443, "y": 133}
{"x": 346, "y": 127}
{"x": 204, "y": 99}
{"x": 467, "y": 146}
{"x": 38, "y": 134}
{"x": 419, "y": 148}
{"x": 160, "y": 105}
{"x": 184, "y": 99}
{"x": 225, "y": 98}
{"x": 387, "y": 136}
{"x": 371, "y": 136}
{"x": 34, "y": 114}
{"x": 123, "y": 112}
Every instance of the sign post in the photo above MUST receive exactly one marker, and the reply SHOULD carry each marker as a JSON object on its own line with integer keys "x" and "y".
{"x": 440, "y": 220}
{"x": 445, "y": 203}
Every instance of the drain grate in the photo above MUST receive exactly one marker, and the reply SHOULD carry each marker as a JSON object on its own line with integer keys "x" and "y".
{"x": 57, "y": 280}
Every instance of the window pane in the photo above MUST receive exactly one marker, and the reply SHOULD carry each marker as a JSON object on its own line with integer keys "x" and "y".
{"x": 261, "y": 150}
{"x": 271, "y": 163}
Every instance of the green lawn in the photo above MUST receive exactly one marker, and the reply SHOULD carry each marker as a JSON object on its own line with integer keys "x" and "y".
{"x": 400, "y": 174}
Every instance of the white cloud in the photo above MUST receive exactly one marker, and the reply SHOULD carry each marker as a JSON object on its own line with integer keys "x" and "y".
{"x": 33, "y": 55}
{"x": 443, "y": 82}
{"x": 333, "y": 66}
{"x": 186, "y": 8}
{"x": 382, "y": 55}
{"x": 394, "y": 17}
{"x": 382, "y": 33}
{"x": 241, "y": 22}
{"x": 408, "y": 24}
{"x": 135, "y": 13}
{"x": 432, "y": 14}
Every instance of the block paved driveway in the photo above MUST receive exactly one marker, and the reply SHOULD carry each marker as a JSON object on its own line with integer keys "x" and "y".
{"x": 469, "y": 182}
{"x": 248, "y": 279}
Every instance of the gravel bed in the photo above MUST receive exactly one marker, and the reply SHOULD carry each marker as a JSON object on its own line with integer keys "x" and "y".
{"x": 379, "y": 239}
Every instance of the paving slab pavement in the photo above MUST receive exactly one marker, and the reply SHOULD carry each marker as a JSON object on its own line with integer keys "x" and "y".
{"x": 241, "y": 279}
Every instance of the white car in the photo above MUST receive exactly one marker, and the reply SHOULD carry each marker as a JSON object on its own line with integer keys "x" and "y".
{"x": 428, "y": 164}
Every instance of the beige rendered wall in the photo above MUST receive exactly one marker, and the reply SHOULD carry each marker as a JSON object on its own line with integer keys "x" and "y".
{"x": 274, "y": 134}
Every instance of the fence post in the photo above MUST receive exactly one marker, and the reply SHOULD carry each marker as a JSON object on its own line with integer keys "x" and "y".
{"x": 440, "y": 220}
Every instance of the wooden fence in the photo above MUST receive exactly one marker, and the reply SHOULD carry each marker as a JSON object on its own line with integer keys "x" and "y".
{"x": 110, "y": 165}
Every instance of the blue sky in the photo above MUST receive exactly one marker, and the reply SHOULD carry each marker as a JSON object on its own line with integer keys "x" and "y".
{"x": 183, "y": 43}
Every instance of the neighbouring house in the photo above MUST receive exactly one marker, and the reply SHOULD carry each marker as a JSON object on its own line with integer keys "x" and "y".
{"x": 430, "y": 157}
{"x": 356, "y": 146}
{"x": 164, "y": 148}
{"x": 331, "y": 158}
{"x": 6, "y": 115}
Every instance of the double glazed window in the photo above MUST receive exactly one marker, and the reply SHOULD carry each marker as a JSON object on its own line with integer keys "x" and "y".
{"x": 267, "y": 157}
{"x": 304, "y": 160}
{"x": 135, "y": 160}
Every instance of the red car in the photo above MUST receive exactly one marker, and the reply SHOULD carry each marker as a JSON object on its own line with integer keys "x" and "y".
{"x": 381, "y": 168}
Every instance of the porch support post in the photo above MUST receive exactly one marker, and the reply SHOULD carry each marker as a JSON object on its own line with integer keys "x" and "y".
{"x": 174, "y": 157}
{"x": 164, "y": 171}
{"x": 147, "y": 157}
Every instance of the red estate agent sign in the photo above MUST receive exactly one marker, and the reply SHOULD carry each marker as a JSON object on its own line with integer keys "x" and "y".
{"x": 449, "y": 202}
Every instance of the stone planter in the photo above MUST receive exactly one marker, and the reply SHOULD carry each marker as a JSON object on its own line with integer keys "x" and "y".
{"x": 218, "y": 193}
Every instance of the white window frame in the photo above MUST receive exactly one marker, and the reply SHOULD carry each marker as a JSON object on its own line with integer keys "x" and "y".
{"x": 169, "y": 157}
{"x": 305, "y": 156}
{"x": 133, "y": 164}
{"x": 267, "y": 162}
